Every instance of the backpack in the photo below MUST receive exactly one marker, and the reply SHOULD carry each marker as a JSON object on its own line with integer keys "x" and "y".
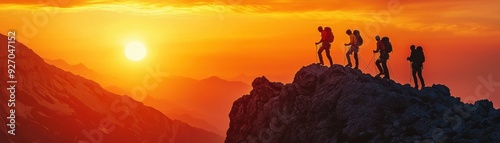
{"x": 329, "y": 35}
{"x": 423, "y": 57}
{"x": 358, "y": 38}
{"x": 420, "y": 56}
{"x": 387, "y": 44}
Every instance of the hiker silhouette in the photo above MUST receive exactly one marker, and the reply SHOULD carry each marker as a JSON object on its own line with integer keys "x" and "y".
{"x": 382, "y": 60}
{"x": 326, "y": 40}
{"x": 352, "y": 49}
{"x": 417, "y": 60}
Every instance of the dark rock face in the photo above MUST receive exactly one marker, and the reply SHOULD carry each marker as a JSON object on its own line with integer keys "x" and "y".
{"x": 55, "y": 106}
{"x": 340, "y": 104}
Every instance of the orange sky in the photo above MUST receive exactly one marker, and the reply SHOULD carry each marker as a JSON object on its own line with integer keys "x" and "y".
{"x": 275, "y": 38}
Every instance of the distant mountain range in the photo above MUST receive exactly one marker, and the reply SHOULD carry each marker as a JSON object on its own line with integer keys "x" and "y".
{"x": 201, "y": 103}
{"x": 209, "y": 99}
{"x": 174, "y": 111}
{"x": 53, "y": 105}
{"x": 106, "y": 81}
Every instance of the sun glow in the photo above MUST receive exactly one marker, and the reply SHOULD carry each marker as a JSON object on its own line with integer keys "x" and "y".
{"x": 135, "y": 51}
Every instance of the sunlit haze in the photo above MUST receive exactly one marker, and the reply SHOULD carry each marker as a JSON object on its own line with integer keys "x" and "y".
{"x": 200, "y": 39}
{"x": 135, "y": 51}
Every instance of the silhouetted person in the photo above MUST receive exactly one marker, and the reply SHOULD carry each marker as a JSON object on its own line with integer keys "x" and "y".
{"x": 417, "y": 60}
{"x": 353, "y": 49}
{"x": 382, "y": 59}
{"x": 326, "y": 39}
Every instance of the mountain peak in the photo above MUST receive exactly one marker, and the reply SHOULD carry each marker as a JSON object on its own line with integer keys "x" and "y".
{"x": 22, "y": 52}
{"x": 81, "y": 66}
{"x": 56, "y": 106}
{"x": 339, "y": 104}
{"x": 213, "y": 78}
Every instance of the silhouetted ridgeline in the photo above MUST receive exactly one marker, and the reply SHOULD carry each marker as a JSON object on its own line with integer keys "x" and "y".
{"x": 341, "y": 104}
{"x": 55, "y": 106}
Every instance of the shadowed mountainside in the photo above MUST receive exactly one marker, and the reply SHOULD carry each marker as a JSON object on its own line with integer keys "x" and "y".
{"x": 53, "y": 105}
{"x": 340, "y": 104}
{"x": 206, "y": 107}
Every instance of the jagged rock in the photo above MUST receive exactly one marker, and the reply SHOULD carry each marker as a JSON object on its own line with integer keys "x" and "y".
{"x": 340, "y": 104}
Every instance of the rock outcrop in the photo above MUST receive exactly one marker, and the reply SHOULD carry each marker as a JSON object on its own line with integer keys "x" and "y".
{"x": 338, "y": 104}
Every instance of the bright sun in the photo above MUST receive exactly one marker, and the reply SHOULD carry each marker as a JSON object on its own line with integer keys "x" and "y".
{"x": 135, "y": 51}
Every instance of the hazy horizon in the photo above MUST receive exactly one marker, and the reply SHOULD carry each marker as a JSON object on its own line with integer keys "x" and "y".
{"x": 274, "y": 38}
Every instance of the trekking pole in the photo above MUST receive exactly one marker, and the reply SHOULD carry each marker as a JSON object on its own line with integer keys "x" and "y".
{"x": 367, "y": 65}
{"x": 316, "y": 45}
{"x": 394, "y": 73}
{"x": 411, "y": 72}
{"x": 345, "y": 51}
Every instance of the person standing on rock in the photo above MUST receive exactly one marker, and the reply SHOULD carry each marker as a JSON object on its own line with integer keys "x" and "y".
{"x": 353, "y": 49}
{"x": 326, "y": 40}
{"x": 417, "y": 60}
{"x": 382, "y": 59}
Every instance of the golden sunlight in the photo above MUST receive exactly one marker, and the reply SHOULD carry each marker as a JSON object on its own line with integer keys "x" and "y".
{"x": 135, "y": 51}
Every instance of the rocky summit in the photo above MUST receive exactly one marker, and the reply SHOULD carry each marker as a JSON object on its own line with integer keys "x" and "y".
{"x": 338, "y": 104}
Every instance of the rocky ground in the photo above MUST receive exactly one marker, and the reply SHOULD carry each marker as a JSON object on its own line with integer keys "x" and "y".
{"x": 340, "y": 104}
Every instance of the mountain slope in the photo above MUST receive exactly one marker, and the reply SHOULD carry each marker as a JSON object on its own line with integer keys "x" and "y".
{"x": 53, "y": 105}
{"x": 209, "y": 99}
{"x": 107, "y": 81}
{"x": 243, "y": 78}
{"x": 340, "y": 104}
{"x": 206, "y": 108}
{"x": 80, "y": 69}
{"x": 174, "y": 111}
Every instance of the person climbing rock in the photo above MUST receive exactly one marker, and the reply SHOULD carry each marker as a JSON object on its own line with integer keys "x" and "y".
{"x": 353, "y": 49}
{"x": 325, "y": 41}
{"x": 417, "y": 59}
{"x": 384, "y": 56}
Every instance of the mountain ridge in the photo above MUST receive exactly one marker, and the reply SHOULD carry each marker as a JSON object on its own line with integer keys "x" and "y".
{"x": 339, "y": 104}
{"x": 210, "y": 98}
{"x": 53, "y": 105}
{"x": 215, "y": 83}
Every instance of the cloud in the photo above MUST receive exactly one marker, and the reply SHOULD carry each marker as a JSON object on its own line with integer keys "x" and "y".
{"x": 457, "y": 17}
{"x": 54, "y": 3}
{"x": 274, "y": 5}
{"x": 460, "y": 16}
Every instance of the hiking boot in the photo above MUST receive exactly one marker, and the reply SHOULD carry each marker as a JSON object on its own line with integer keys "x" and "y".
{"x": 348, "y": 65}
{"x": 387, "y": 77}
